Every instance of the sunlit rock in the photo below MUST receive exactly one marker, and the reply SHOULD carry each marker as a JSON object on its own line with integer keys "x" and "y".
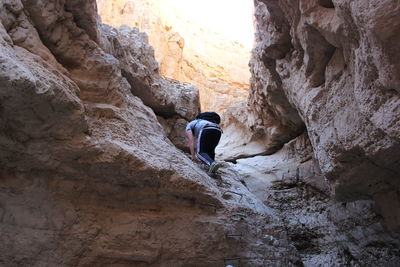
{"x": 186, "y": 50}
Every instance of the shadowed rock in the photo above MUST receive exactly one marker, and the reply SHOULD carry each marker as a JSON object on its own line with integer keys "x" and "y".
{"x": 338, "y": 74}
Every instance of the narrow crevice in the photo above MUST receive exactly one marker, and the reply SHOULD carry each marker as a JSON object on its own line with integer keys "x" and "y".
{"x": 319, "y": 52}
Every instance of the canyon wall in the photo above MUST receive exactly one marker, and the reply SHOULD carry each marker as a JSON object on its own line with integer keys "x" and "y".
{"x": 187, "y": 51}
{"x": 88, "y": 176}
{"x": 332, "y": 68}
{"x": 89, "y": 170}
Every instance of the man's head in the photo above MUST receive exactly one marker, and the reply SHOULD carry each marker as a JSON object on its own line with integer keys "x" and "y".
{"x": 209, "y": 116}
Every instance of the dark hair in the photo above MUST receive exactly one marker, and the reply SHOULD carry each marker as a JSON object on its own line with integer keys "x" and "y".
{"x": 209, "y": 116}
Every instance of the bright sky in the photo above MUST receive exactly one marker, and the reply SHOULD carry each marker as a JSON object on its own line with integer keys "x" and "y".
{"x": 232, "y": 18}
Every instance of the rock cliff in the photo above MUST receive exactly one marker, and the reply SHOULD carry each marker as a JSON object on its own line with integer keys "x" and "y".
{"x": 87, "y": 173}
{"x": 332, "y": 68}
{"x": 187, "y": 51}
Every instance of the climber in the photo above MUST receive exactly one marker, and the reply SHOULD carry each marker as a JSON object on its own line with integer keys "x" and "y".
{"x": 207, "y": 131}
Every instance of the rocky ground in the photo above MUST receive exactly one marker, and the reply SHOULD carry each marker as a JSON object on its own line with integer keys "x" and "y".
{"x": 325, "y": 232}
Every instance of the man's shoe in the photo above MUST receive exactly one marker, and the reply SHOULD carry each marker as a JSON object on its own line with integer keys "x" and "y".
{"x": 214, "y": 167}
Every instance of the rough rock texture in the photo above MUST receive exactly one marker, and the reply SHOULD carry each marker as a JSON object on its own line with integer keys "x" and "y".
{"x": 337, "y": 64}
{"x": 325, "y": 232}
{"x": 87, "y": 175}
{"x": 138, "y": 66}
{"x": 170, "y": 100}
{"x": 267, "y": 120}
{"x": 249, "y": 133}
{"x": 175, "y": 129}
{"x": 186, "y": 52}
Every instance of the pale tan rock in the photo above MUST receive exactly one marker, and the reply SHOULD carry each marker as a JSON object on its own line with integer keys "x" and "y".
{"x": 268, "y": 120}
{"x": 175, "y": 130}
{"x": 136, "y": 59}
{"x": 88, "y": 176}
{"x": 186, "y": 52}
{"x": 244, "y": 135}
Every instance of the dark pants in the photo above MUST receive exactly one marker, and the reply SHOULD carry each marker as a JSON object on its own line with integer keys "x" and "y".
{"x": 206, "y": 143}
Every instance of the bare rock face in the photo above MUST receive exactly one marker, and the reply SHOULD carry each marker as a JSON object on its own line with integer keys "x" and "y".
{"x": 136, "y": 57}
{"x": 87, "y": 175}
{"x": 248, "y": 133}
{"x": 324, "y": 231}
{"x": 175, "y": 130}
{"x": 185, "y": 52}
{"x": 268, "y": 119}
{"x": 337, "y": 64}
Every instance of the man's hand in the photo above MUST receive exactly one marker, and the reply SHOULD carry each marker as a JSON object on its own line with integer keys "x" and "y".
{"x": 190, "y": 139}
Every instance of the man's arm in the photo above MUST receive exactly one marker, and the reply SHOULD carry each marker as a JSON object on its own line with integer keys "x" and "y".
{"x": 190, "y": 140}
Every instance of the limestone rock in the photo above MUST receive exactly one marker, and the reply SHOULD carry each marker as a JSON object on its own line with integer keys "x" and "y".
{"x": 88, "y": 176}
{"x": 268, "y": 118}
{"x": 136, "y": 57}
{"x": 340, "y": 74}
{"x": 244, "y": 135}
{"x": 175, "y": 130}
{"x": 187, "y": 52}
{"x": 324, "y": 231}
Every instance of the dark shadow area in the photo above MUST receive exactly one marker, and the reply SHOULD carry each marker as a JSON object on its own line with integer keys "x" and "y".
{"x": 326, "y": 3}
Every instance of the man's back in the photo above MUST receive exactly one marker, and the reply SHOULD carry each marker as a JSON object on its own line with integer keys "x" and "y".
{"x": 197, "y": 125}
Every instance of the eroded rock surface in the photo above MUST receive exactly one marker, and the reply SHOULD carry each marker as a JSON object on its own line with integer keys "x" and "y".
{"x": 138, "y": 66}
{"x": 324, "y": 231}
{"x": 335, "y": 66}
{"x": 187, "y": 51}
{"x": 87, "y": 175}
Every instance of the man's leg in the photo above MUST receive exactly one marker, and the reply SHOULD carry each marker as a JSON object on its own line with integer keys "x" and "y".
{"x": 207, "y": 141}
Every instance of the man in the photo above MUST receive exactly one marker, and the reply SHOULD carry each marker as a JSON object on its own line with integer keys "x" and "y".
{"x": 207, "y": 131}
